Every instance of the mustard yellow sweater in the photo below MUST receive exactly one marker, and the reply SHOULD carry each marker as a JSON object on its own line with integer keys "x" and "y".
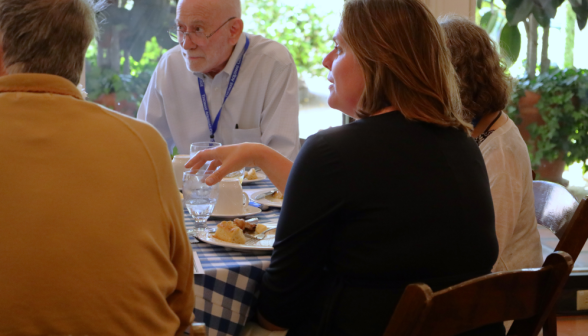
{"x": 92, "y": 239}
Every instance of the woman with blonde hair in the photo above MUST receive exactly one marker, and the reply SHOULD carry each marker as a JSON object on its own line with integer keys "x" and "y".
{"x": 397, "y": 197}
{"x": 485, "y": 91}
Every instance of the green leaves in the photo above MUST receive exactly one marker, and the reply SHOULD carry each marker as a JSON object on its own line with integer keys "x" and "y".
{"x": 543, "y": 10}
{"x": 488, "y": 21}
{"x": 510, "y": 43}
{"x": 564, "y": 109}
{"x": 518, "y": 10}
{"x": 300, "y": 29}
{"x": 580, "y": 7}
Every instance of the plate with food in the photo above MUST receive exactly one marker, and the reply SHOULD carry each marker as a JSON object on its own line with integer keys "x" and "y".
{"x": 253, "y": 175}
{"x": 241, "y": 235}
{"x": 271, "y": 198}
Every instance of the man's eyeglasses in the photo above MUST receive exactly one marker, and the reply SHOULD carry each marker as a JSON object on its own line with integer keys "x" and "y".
{"x": 179, "y": 36}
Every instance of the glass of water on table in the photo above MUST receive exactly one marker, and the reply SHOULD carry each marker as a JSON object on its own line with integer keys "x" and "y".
{"x": 196, "y": 147}
{"x": 199, "y": 197}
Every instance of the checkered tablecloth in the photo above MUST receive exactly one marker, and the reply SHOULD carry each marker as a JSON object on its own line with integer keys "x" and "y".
{"x": 229, "y": 285}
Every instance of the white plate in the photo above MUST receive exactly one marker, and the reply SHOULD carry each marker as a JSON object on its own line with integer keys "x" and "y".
{"x": 260, "y": 177}
{"x": 268, "y": 200}
{"x": 249, "y": 211}
{"x": 256, "y": 245}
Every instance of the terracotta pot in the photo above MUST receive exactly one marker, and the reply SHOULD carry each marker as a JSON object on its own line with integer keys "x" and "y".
{"x": 550, "y": 171}
{"x": 529, "y": 113}
{"x": 110, "y": 101}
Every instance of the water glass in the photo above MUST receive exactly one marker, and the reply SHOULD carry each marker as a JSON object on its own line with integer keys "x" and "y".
{"x": 198, "y": 146}
{"x": 199, "y": 197}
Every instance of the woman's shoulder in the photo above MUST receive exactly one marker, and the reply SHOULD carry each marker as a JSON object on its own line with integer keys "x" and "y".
{"x": 506, "y": 139}
{"x": 505, "y": 151}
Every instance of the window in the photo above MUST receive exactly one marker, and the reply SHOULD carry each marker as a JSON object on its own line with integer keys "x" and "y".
{"x": 119, "y": 64}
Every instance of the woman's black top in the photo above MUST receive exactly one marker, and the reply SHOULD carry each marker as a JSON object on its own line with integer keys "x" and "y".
{"x": 369, "y": 208}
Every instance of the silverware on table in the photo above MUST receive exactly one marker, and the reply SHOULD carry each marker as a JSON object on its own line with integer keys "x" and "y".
{"x": 265, "y": 194}
{"x": 258, "y": 236}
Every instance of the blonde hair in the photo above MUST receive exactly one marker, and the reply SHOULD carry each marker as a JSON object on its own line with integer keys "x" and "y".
{"x": 484, "y": 85}
{"x": 47, "y": 36}
{"x": 405, "y": 60}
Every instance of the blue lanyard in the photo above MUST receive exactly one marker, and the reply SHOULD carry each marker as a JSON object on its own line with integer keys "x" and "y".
{"x": 213, "y": 126}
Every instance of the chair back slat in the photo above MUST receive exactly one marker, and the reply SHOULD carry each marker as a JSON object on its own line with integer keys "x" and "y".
{"x": 574, "y": 236}
{"x": 522, "y": 295}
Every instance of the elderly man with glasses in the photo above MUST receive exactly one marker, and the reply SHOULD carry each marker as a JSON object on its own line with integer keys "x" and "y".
{"x": 220, "y": 84}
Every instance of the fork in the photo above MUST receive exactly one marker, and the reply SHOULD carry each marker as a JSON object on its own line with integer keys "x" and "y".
{"x": 259, "y": 236}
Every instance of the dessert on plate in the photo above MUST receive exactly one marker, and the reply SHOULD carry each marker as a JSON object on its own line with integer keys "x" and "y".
{"x": 232, "y": 231}
{"x": 277, "y": 195}
{"x": 251, "y": 174}
{"x": 229, "y": 232}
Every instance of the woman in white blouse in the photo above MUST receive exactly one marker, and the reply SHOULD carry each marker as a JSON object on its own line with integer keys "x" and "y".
{"x": 485, "y": 91}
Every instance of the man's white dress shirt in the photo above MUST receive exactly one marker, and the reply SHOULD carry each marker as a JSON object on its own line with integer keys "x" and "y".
{"x": 263, "y": 106}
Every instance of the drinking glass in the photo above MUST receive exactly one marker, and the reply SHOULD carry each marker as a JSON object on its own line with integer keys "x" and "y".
{"x": 198, "y": 146}
{"x": 239, "y": 174}
{"x": 199, "y": 197}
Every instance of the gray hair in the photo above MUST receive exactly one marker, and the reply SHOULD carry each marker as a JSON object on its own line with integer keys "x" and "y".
{"x": 47, "y": 36}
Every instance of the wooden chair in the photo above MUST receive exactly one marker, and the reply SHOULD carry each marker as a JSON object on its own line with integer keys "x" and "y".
{"x": 557, "y": 209}
{"x": 554, "y": 207}
{"x": 198, "y": 329}
{"x": 526, "y": 296}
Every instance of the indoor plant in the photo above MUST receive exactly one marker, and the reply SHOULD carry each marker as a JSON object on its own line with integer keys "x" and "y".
{"x": 549, "y": 119}
{"x": 559, "y": 135}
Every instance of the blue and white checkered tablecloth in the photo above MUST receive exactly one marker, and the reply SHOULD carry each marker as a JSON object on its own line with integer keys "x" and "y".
{"x": 229, "y": 285}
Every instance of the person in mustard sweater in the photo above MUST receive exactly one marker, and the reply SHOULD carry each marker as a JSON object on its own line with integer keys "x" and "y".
{"x": 92, "y": 239}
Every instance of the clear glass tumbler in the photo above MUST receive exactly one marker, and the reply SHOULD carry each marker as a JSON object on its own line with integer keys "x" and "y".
{"x": 199, "y": 198}
{"x": 199, "y": 146}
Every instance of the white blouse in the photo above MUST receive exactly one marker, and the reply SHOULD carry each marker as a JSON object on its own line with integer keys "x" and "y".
{"x": 511, "y": 183}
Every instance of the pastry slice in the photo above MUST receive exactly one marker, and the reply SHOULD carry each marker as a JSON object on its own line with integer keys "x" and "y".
{"x": 251, "y": 174}
{"x": 260, "y": 228}
{"x": 277, "y": 195}
{"x": 229, "y": 232}
{"x": 244, "y": 225}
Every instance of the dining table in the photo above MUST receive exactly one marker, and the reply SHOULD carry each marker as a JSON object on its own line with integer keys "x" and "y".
{"x": 226, "y": 280}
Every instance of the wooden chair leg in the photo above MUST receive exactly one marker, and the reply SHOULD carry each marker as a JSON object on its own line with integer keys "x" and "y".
{"x": 550, "y": 326}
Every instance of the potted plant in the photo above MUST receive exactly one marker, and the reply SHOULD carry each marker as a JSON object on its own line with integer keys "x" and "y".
{"x": 122, "y": 93}
{"x": 558, "y": 135}
{"x": 541, "y": 116}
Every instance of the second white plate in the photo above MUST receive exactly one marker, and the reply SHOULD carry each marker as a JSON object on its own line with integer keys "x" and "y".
{"x": 249, "y": 211}
{"x": 268, "y": 200}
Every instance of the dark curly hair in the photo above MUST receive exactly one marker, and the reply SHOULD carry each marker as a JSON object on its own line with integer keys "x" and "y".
{"x": 484, "y": 85}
